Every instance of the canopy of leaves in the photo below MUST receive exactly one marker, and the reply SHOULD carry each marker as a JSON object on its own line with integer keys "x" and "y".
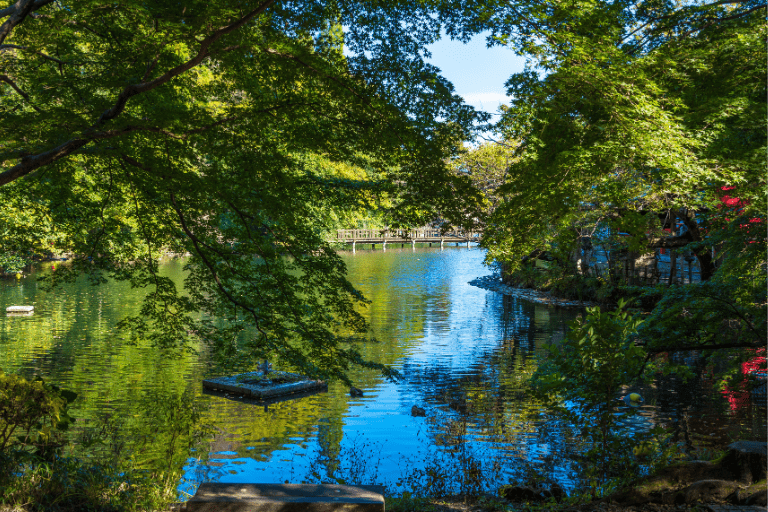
{"x": 233, "y": 131}
{"x": 631, "y": 115}
{"x": 629, "y": 108}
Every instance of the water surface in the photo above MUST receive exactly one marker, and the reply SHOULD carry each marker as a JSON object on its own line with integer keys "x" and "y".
{"x": 463, "y": 353}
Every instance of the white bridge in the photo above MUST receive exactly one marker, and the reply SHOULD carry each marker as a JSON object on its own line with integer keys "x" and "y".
{"x": 404, "y": 236}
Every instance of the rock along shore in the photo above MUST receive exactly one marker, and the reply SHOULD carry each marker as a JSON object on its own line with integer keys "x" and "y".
{"x": 493, "y": 283}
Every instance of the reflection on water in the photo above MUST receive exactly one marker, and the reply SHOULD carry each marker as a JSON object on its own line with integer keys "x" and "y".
{"x": 463, "y": 352}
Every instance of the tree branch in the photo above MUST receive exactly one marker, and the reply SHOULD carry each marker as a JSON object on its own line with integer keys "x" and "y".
{"x": 202, "y": 53}
{"x": 16, "y": 14}
{"x": 740, "y": 14}
{"x": 196, "y": 242}
{"x": 671, "y": 242}
{"x": 11, "y": 9}
{"x": 198, "y": 248}
{"x": 27, "y": 49}
{"x": 324, "y": 75}
{"x": 182, "y": 136}
{"x": 7, "y": 79}
{"x": 715, "y": 346}
{"x": 32, "y": 163}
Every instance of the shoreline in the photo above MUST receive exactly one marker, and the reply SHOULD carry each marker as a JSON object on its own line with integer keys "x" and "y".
{"x": 493, "y": 282}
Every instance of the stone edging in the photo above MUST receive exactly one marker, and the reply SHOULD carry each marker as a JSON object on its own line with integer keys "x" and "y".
{"x": 234, "y": 384}
{"x": 493, "y": 283}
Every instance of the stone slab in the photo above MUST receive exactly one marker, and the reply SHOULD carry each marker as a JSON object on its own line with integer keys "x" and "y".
{"x": 234, "y": 384}
{"x": 218, "y": 497}
{"x": 746, "y": 461}
{"x": 756, "y": 447}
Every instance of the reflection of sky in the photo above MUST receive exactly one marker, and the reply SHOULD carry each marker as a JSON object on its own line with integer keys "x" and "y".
{"x": 461, "y": 325}
{"x": 452, "y": 341}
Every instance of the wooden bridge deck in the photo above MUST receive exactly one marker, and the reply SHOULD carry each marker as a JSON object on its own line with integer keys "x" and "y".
{"x": 402, "y": 236}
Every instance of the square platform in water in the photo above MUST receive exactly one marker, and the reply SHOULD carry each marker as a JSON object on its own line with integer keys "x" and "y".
{"x": 260, "y": 386}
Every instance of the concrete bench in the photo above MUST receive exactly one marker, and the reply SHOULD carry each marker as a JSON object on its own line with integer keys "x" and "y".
{"x": 216, "y": 497}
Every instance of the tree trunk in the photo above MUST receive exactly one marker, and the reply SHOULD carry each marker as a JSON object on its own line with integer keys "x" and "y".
{"x": 703, "y": 254}
{"x": 672, "y": 267}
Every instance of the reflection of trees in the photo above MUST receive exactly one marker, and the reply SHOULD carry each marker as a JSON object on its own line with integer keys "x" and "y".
{"x": 70, "y": 322}
{"x": 397, "y": 313}
{"x": 329, "y": 435}
{"x": 252, "y": 430}
{"x": 330, "y": 431}
{"x": 487, "y": 402}
{"x": 396, "y": 308}
{"x": 697, "y": 415}
{"x": 527, "y": 324}
{"x": 258, "y": 430}
{"x": 70, "y": 340}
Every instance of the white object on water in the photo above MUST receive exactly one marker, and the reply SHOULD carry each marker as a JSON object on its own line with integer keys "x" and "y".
{"x": 19, "y": 309}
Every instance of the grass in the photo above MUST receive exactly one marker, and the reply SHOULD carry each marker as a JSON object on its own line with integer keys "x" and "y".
{"x": 65, "y": 484}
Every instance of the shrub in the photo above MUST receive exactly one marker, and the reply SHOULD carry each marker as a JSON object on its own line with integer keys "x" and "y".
{"x": 33, "y": 415}
{"x": 580, "y": 380}
{"x": 34, "y": 475}
{"x": 66, "y": 484}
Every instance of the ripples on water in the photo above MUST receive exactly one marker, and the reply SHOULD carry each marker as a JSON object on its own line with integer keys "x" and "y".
{"x": 463, "y": 353}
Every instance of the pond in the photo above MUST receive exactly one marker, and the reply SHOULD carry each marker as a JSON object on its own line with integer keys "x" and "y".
{"x": 463, "y": 353}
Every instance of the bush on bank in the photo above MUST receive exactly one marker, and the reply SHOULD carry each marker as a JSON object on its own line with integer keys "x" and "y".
{"x": 65, "y": 484}
{"x": 37, "y": 476}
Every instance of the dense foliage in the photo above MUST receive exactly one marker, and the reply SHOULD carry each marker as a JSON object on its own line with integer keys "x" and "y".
{"x": 134, "y": 468}
{"x": 633, "y": 118}
{"x": 235, "y": 132}
{"x": 580, "y": 378}
{"x": 32, "y": 414}
{"x": 640, "y": 126}
{"x": 631, "y": 114}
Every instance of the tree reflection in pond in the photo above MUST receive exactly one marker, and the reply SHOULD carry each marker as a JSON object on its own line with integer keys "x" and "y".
{"x": 464, "y": 354}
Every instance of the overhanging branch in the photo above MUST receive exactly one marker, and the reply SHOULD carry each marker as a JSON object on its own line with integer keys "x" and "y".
{"x": 7, "y": 79}
{"x": 27, "y": 49}
{"x": 31, "y": 163}
{"x": 17, "y": 13}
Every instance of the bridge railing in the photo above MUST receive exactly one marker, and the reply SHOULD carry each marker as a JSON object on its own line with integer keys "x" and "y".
{"x": 412, "y": 234}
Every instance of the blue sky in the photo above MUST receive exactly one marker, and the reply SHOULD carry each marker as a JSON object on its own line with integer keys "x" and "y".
{"x": 478, "y": 73}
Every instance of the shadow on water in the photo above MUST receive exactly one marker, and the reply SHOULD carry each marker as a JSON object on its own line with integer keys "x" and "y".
{"x": 464, "y": 354}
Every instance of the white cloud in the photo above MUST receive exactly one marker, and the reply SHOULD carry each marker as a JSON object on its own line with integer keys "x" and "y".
{"x": 486, "y": 101}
